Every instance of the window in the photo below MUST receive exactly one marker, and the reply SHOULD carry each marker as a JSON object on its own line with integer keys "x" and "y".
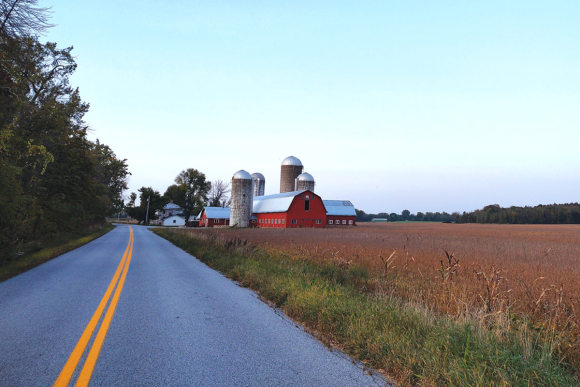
{"x": 307, "y": 205}
{"x": 318, "y": 221}
{"x": 173, "y": 220}
{"x": 253, "y": 220}
{"x": 350, "y": 222}
{"x": 282, "y": 221}
{"x": 216, "y": 220}
{"x": 344, "y": 222}
{"x": 293, "y": 221}
{"x": 307, "y": 196}
{"x": 330, "y": 221}
{"x": 300, "y": 197}
{"x": 275, "y": 221}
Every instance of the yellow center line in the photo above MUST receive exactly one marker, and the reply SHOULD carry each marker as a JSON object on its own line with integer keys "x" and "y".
{"x": 87, "y": 371}
{"x": 69, "y": 368}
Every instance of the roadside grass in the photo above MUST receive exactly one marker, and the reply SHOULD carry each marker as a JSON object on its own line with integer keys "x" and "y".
{"x": 346, "y": 306}
{"x": 36, "y": 253}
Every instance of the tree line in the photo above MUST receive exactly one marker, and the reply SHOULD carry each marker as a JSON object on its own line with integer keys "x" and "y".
{"x": 191, "y": 191}
{"x": 406, "y": 215}
{"x": 568, "y": 213}
{"x": 53, "y": 179}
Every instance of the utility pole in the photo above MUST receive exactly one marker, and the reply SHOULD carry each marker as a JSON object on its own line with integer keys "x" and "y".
{"x": 147, "y": 213}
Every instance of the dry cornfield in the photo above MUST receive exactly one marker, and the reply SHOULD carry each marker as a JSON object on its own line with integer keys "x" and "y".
{"x": 484, "y": 273}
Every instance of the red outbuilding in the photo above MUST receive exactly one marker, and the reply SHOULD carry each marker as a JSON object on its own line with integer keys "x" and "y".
{"x": 214, "y": 216}
{"x": 340, "y": 213}
{"x": 290, "y": 209}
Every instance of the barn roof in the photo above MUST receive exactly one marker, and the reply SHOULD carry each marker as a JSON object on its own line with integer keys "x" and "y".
{"x": 275, "y": 203}
{"x": 217, "y": 212}
{"x": 339, "y": 207}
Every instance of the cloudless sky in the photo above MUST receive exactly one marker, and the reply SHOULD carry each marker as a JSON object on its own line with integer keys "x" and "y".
{"x": 425, "y": 106}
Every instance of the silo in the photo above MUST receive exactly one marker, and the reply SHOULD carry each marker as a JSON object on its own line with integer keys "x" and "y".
{"x": 259, "y": 184}
{"x": 305, "y": 181}
{"x": 291, "y": 168}
{"x": 242, "y": 200}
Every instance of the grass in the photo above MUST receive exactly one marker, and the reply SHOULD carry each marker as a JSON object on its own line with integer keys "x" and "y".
{"x": 354, "y": 308}
{"x": 35, "y": 253}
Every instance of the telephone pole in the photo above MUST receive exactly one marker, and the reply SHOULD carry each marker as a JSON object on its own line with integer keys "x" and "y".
{"x": 147, "y": 213}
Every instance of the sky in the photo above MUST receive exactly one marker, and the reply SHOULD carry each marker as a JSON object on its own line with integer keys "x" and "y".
{"x": 393, "y": 105}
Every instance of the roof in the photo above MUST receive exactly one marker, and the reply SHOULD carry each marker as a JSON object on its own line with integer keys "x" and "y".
{"x": 171, "y": 206}
{"x": 217, "y": 212}
{"x": 258, "y": 175}
{"x": 275, "y": 203}
{"x": 339, "y": 207}
{"x": 291, "y": 160}
{"x": 241, "y": 174}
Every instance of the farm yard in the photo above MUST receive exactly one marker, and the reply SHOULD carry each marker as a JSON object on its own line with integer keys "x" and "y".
{"x": 499, "y": 278}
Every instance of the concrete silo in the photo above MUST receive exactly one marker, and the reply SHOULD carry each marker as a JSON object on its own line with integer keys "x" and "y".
{"x": 242, "y": 200}
{"x": 291, "y": 168}
{"x": 305, "y": 181}
{"x": 259, "y": 184}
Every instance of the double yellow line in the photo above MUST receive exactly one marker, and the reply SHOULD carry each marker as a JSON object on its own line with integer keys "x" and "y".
{"x": 72, "y": 362}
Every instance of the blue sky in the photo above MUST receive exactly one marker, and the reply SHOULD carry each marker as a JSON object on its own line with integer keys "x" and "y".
{"x": 426, "y": 106}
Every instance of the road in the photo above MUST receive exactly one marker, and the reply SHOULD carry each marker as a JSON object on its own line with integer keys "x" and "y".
{"x": 165, "y": 319}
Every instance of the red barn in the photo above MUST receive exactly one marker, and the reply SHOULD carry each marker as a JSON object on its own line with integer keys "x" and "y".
{"x": 340, "y": 213}
{"x": 290, "y": 209}
{"x": 214, "y": 216}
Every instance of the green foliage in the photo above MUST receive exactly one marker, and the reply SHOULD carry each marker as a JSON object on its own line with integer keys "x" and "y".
{"x": 156, "y": 203}
{"x": 568, "y": 213}
{"x": 196, "y": 190}
{"x": 53, "y": 180}
{"x": 406, "y": 215}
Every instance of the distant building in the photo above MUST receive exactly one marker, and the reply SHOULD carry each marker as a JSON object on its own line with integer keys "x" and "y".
{"x": 174, "y": 220}
{"x": 214, "y": 216}
{"x": 340, "y": 213}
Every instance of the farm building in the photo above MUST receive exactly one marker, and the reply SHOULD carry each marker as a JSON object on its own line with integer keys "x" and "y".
{"x": 340, "y": 213}
{"x": 290, "y": 209}
{"x": 173, "y": 220}
{"x": 214, "y": 216}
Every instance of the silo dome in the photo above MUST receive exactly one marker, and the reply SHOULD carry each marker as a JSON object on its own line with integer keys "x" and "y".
{"x": 305, "y": 177}
{"x": 291, "y": 160}
{"x": 259, "y": 184}
{"x": 241, "y": 174}
{"x": 258, "y": 175}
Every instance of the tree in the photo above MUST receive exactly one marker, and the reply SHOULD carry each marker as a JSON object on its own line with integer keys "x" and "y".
{"x": 176, "y": 193}
{"x": 140, "y": 213}
{"x": 218, "y": 194}
{"x": 196, "y": 190}
{"x": 22, "y": 17}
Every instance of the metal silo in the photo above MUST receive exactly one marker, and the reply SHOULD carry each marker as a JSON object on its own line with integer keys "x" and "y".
{"x": 305, "y": 181}
{"x": 259, "y": 184}
{"x": 291, "y": 168}
{"x": 242, "y": 200}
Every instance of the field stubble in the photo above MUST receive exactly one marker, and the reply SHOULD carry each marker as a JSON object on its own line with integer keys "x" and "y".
{"x": 498, "y": 277}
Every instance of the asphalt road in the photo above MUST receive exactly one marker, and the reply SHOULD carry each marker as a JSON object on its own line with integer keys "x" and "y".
{"x": 176, "y": 322}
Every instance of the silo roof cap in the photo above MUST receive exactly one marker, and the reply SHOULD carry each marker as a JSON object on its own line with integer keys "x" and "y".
{"x": 291, "y": 160}
{"x": 305, "y": 177}
{"x": 258, "y": 175}
{"x": 243, "y": 175}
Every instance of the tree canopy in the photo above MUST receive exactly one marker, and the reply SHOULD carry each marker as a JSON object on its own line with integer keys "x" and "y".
{"x": 53, "y": 179}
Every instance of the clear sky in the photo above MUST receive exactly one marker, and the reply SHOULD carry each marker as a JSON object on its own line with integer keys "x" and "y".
{"x": 425, "y": 106}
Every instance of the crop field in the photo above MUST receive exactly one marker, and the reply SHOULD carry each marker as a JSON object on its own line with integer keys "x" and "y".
{"x": 491, "y": 275}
